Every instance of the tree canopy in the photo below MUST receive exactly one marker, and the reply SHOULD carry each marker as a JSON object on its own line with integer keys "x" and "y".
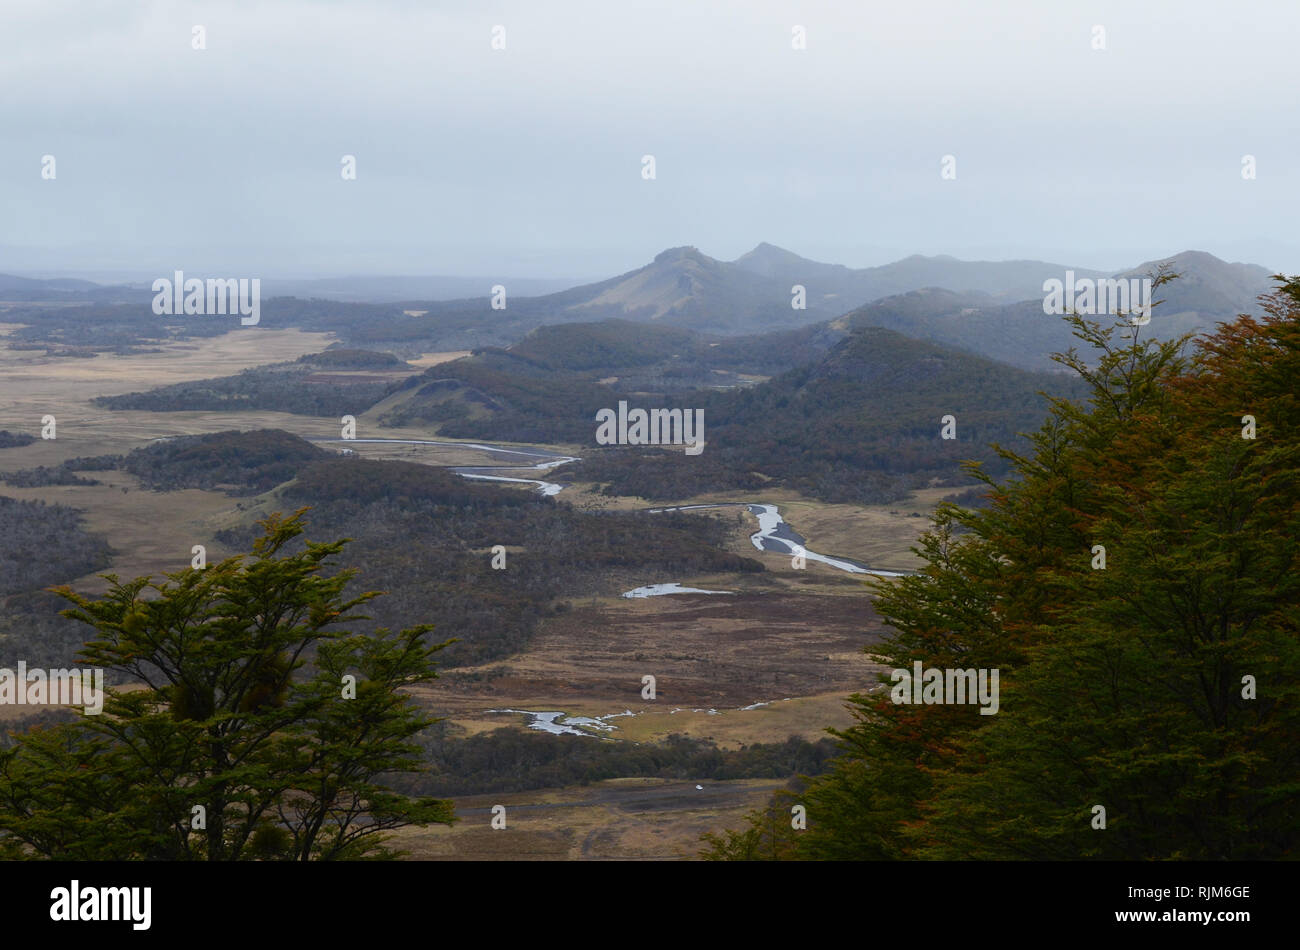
{"x": 250, "y": 724}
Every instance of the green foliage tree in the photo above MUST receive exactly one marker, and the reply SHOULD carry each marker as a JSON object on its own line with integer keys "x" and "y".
{"x": 1163, "y": 690}
{"x": 253, "y": 725}
{"x": 1161, "y": 687}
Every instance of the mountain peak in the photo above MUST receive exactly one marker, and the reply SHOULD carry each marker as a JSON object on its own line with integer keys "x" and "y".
{"x": 685, "y": 252}
{"x": 1202, "y": 261}
{"x": 769, "y": 260}
{"x": 767, "y": 252}
{"x": 928, "y": 259}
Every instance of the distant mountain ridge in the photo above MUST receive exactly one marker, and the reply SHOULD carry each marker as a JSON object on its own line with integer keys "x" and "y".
{"x": 1005, "y": 281}
{"x": 684, "y": 287}
{"x": 64, "y": 290}
{"x": 1208, "y": 291}
{"x": 755, "y": 293}
{"x": 394, "y": 289}
{"x": 993, "y": 308}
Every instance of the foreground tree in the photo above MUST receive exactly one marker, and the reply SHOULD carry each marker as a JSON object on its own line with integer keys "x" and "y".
{"x": 253, "y": 725}
{"x": 1149, "y": 707}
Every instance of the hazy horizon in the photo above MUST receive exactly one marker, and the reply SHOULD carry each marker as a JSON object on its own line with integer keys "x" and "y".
{"x": 145, "y": 276}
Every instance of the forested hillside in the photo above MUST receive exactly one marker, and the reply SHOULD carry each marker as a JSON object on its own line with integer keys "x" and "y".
{"x": 863, "y": 425}
{"x": 860, "y": 421}
{"x": 240, "y": 463}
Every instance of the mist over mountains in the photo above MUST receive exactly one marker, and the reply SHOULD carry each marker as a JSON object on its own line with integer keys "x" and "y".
{"x": 991, "y": 308}
{"x": 1002, "y": 280}
{"x": 1206, "y": 292}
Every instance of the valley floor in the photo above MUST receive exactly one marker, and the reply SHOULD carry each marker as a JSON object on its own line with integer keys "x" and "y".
{"x": 776, "y": 658}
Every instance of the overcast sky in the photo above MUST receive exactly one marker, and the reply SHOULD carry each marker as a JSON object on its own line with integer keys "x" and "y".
{"x": 527, "y": 161}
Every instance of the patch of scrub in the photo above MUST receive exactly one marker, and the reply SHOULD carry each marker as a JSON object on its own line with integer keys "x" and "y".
{"x": 658, "y": 590}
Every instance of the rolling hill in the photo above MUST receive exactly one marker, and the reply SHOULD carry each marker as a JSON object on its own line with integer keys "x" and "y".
{"x": 834, "y": 285}
{"x": 856, "y": 418}
{"x": 1207, "y": 291}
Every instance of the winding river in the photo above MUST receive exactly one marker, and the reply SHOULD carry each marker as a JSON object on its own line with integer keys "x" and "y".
{"x": 490, "y": 473}
{"x": 774, "y": 533}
